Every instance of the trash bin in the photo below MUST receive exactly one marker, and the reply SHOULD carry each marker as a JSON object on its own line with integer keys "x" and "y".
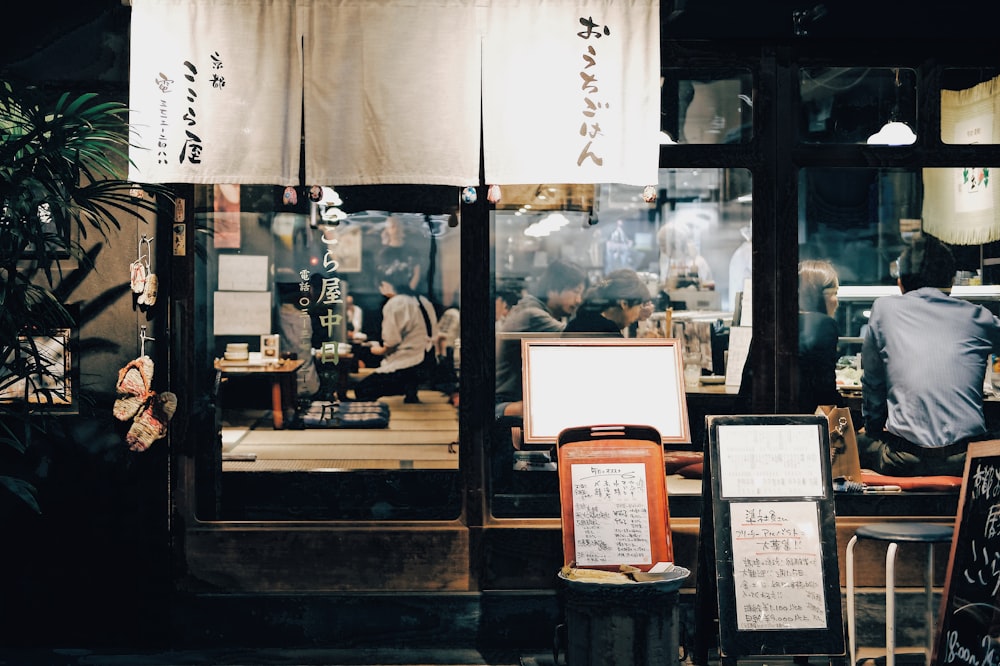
{"x": 623, "y": 623}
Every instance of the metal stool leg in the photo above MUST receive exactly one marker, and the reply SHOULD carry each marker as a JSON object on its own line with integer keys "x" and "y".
{"x": 929, "y": 587}
{"x": 890, "y": 604}
{"x": 851, "y": 628}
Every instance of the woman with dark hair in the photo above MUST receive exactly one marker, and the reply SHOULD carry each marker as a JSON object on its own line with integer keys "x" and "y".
{"x": 408, "y": 323}
{"x": 611, "y": 305}
{"x": 818, "y": 335}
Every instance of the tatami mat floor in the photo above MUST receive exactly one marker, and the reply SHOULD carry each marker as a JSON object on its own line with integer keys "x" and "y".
{"x": 419, "y": 436}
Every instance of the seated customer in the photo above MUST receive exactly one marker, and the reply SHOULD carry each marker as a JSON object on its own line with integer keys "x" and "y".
{"x": 818, "y": 335}
{"x": 924, "y": 360}
{"x": 407, "y": 324}
{"x": 611, "y": 305}
{"x": 556, "y": 296}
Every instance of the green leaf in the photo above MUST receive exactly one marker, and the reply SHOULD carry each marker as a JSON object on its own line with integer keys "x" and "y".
{"x": 22, "y": 490}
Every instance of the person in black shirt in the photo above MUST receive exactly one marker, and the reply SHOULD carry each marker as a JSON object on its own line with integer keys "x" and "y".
{"x": 818, "y": 335}
{"x": 611, "y": 305}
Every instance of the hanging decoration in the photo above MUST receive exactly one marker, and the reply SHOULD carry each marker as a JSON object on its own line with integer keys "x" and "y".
{"x": 149, "y": 411}
{"x": 139, "y": 269}
{"x": 493, "y": 195}
{"x": 151, "y": 285}
{"x": 962, "y": 204}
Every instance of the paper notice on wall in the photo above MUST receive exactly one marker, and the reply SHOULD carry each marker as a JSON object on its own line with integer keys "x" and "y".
{"x": 243, "y": 272}
{"x": 242, "y": 312}
{"x": 739, "y": 350}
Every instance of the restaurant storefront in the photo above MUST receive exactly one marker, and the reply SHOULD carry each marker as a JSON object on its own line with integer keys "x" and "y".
{"x": 433, "y": 523}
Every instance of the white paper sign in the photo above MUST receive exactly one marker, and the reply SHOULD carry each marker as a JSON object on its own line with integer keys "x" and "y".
{"x": 770, "y": 461}
{"x": 242, "y": 312}
{"x": 243, "y": 272}
{"x": 739, "y": 350}
{"x": 777, "y": 566}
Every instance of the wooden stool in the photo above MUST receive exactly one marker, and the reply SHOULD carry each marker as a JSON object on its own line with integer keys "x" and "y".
{"x": 895, "y": 533}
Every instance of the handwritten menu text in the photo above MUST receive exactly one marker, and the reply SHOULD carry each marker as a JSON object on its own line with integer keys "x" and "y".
{"x": 610, "y": 514}
{"x": 972, "y": 608}
{"x": 777, "y": 566}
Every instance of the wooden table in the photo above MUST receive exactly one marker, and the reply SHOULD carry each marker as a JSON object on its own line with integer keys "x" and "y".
{"x": 283, "y": 385}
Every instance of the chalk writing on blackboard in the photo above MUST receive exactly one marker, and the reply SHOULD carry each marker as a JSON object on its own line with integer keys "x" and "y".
{"x": 769, "y": 461}
{"x": 777, "y": 566}
{"x": 610, "y": 514}
{"x": 970, "y": 633}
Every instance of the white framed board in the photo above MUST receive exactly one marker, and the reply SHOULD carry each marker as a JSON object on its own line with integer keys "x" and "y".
{"x": 572, "y": 382}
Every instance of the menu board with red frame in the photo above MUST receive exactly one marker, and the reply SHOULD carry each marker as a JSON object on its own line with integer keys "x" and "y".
{"x": 613, "y": 492}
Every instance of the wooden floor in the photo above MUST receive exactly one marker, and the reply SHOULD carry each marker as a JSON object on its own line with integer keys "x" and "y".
{"x": 419, "y": 436}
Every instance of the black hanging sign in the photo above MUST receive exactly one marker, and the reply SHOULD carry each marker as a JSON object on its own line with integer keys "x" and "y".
{"x": 969, "y": 624}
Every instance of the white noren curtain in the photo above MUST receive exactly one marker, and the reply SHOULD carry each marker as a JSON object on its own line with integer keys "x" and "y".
{"x": 392, "y": 92}
{"x": 215, "y": 91}
{"x": 571, "y": 91}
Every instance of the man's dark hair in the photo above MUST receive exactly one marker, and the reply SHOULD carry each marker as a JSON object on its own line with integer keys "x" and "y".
{"x": 926, "y": 262}
{"x": 559, "y": 276}
{"x": 510, "y": 291}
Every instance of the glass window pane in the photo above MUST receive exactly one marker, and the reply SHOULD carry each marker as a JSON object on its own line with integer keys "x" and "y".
{"x": 854, "y": 104}
{"x": 860, "y": 219}
{"x": 313, "y": 307}
{"x": 683, "y": 244}
{"x": 706, "y": 106}
{"x": 969, "y": 105}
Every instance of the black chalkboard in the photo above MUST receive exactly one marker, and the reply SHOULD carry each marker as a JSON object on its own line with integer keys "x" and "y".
{"x": 969, "y": 624}
{"x": 768, "y": 538}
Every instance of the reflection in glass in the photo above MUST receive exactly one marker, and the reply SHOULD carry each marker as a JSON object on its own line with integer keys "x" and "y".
{"x": 850, "y": 104}
{"x": 706, "y": 107}
{"x": 860, "y": 219}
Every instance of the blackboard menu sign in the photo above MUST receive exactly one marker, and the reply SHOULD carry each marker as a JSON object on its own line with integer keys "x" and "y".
{"x": 969, "y": 624}
{"x": 771, "y": 531}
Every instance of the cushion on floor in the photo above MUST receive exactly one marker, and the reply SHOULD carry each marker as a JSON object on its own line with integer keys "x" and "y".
{"x": 327, "y": 414}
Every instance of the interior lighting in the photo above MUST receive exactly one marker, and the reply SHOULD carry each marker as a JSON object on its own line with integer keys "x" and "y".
{"x": 895, "y": 132}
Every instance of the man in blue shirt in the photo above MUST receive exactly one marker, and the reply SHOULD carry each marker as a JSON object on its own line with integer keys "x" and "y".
{"x": 924, "y": 358}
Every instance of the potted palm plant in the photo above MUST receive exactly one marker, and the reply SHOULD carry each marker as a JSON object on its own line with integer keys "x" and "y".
{"x": 61, "y": 159}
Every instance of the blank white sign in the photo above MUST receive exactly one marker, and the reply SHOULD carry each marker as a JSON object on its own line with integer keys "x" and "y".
{"x": 575, "y": 382}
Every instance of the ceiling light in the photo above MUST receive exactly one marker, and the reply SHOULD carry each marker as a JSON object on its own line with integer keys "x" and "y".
{"x": 893, "y": 133}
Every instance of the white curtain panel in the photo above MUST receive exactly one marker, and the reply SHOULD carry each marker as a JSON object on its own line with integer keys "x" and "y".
{"x": 215, "y": 91}
{"x": 391, "y": 92}
{"x": 962, "y": 206}
{"x": 571, "y": 91}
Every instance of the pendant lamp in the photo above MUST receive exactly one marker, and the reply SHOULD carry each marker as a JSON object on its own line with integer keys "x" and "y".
{"x": 895, "y": 132}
